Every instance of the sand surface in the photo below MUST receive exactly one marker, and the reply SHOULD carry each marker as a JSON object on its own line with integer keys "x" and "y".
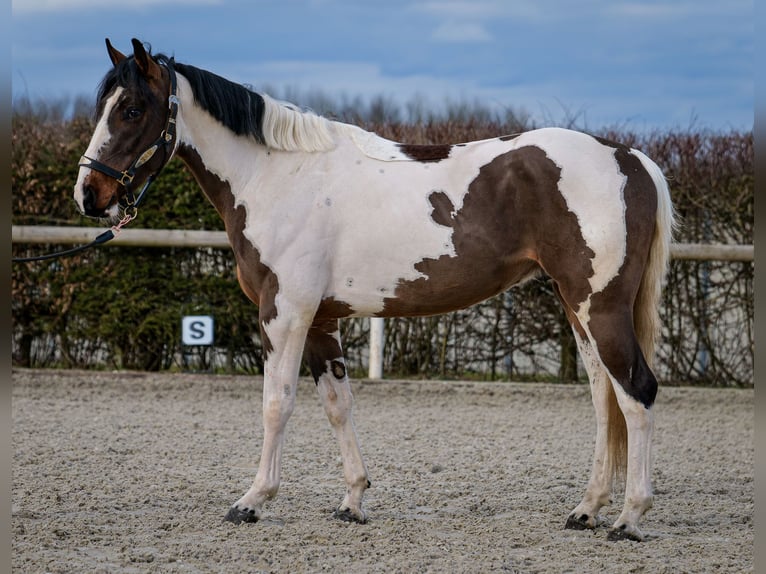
{"x": 133, "y": 472}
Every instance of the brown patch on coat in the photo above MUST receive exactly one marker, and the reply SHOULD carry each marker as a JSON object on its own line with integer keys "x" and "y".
{"x": 426, "y": 153}
{"x": 513, "y": 222}
{"x": 331, "y": 308}
{"x": 257, "y": 280}
{"x": 570, "y": 313}
{"x": 322, "y": 348}
{"x": 443, "y": 211}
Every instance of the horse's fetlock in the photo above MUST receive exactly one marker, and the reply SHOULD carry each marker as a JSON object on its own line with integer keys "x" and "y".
{"x": 363, "y": 483}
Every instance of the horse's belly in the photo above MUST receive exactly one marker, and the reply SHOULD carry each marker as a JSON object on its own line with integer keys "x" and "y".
{"x": 444, "y": 284}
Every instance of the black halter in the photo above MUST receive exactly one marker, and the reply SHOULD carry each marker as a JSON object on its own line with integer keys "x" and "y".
{"x": 129, "y": 203}
{"x": 166, "y": 140}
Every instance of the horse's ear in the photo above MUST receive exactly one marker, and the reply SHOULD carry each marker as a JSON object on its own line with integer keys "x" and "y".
{"x": 114, "y": 54}
{"x": 146, "y": 64}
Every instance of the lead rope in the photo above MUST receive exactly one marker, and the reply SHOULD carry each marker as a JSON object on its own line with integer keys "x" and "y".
{"x": 107, "y": 235}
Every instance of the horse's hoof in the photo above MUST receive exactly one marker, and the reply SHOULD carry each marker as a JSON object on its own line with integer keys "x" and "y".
{"x": 578, "y": 522}
{"x": 238, "y": 516}
{"x": 346, "y": 515}
{"x": 624, "y": 533}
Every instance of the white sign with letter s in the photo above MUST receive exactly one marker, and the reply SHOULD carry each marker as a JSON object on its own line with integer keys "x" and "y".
{"x": 197, "y": 330}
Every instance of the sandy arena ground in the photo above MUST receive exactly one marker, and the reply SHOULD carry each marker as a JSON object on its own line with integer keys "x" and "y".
{"x": 133, "y": 472}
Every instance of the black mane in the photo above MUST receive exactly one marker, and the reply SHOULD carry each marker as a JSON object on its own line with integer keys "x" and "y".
{"x": 239, "y": 109}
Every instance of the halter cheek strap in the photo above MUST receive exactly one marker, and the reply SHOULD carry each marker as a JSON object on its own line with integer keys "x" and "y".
{"x": 168, "y": 138}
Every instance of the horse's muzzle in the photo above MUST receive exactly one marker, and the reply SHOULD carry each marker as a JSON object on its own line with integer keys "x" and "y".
{"x": 89, "y": 203}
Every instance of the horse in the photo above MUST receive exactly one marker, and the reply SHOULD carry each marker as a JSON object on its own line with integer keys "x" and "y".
{"x": 328, "y": 221}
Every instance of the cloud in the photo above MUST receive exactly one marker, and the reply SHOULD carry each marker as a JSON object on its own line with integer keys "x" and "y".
{"x": 298, "y": 80}
{"x": 37, "y": 6}
{"x": 547, "y": 101}
{"x": 676, "y": 10}
{"x": 336, "y": 77}
{"x": 612, "y": 59}
{"x": 465, "y": 9}
{"x": 463, "y": 22}
{"x": 461, "y": 33}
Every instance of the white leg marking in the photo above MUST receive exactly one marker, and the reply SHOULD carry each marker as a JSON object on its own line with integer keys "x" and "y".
{"x": 599, "y": 489}
{"x": 638, "y": 486}
{"x": 279, "y": 386}
{"x": 640, "y": 425}
{"x": 338, "y": 402}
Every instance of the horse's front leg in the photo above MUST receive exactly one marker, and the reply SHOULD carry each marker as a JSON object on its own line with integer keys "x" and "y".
{"x": 284, "y": 339}
{"x": 325, "y": 358}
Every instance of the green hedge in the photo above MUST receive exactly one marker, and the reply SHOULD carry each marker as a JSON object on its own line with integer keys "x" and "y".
{"x": 120, "y": 307}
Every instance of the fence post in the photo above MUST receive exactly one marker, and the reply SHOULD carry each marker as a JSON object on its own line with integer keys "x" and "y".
{"x": 377, "y": 325}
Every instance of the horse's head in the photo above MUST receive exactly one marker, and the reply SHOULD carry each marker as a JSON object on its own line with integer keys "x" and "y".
{"x": 134, "y": 136}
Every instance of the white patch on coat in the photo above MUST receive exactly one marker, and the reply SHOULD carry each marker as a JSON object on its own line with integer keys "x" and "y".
{"x": 101, "y": 136}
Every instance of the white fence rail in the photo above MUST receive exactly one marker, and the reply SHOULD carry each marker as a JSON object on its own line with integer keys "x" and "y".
{"x": 132, "y": 237}
{"x": 217, "y": 239}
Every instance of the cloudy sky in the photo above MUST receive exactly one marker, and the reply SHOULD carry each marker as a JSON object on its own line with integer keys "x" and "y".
{"x": 640, "y": 64}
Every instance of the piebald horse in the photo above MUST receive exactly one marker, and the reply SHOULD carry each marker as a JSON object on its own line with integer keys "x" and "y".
{"x": 328, "y": 221}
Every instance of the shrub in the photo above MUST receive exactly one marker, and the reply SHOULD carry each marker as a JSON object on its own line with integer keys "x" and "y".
{"x": 121, "y": 307}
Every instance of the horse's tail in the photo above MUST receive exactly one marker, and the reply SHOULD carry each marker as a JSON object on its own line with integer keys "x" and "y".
{"x": 646, "y": 309}
{"x": 646, "y": 313}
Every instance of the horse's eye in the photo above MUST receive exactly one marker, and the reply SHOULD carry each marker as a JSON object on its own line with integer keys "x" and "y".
{"x": 132, "y": 113}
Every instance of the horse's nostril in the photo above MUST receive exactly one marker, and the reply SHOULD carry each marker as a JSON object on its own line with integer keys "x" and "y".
{"x": 88, "y": 198}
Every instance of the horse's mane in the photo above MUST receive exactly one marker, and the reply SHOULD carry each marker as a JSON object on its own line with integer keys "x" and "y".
{"x": 277, "y": 125}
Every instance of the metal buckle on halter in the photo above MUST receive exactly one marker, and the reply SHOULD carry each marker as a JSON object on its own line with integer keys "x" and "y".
{"x": 125, "y": 179}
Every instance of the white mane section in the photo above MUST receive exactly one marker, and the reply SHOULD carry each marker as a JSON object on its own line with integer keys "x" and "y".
{"x": 287, "y": 128}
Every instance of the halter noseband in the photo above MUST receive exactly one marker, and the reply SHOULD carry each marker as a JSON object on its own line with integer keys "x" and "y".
{"x": 167, "y": 139}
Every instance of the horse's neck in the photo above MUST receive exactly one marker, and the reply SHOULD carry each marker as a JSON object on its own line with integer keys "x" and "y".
{"x": 223, "y": 163}
{"x": 216, "y": 145}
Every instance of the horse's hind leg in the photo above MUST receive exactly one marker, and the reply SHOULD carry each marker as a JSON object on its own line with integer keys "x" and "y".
{"x": 610, "y": 429}
{"x": 325, "y": 357}
{"x": 623, "y": 390}
{"x": 613, "y": 338}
